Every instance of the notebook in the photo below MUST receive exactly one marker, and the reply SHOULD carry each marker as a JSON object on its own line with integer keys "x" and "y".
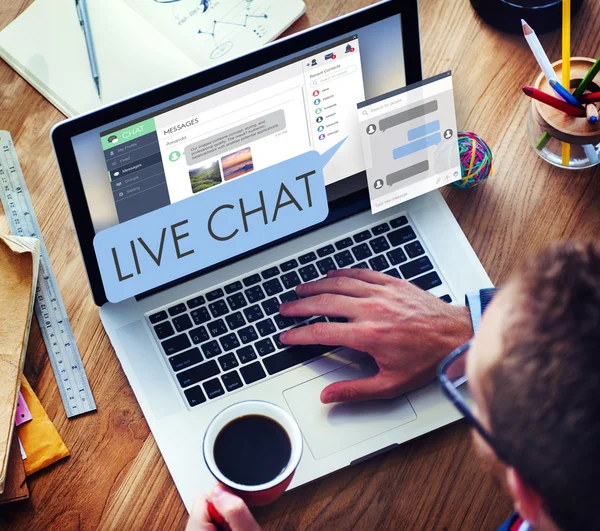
{"x": 139, "y": 44}
{"x": 19, "y": 265}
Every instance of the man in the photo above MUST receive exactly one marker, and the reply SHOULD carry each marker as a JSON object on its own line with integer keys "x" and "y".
{"x": 533, "y": 372}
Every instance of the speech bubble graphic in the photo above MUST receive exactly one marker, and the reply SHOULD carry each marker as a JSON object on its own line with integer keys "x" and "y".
{"x": 407, "y": 116}
{"x": 215, "y": 225}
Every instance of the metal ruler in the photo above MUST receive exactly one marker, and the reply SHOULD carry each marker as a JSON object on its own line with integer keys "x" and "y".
{"x": 49, "y": 307}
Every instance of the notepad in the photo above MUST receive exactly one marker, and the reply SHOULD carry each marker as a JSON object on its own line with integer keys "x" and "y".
{"x": 139, "y": 44}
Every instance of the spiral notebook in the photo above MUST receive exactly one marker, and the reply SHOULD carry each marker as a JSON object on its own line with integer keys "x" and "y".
{"x": 139, "y": 44}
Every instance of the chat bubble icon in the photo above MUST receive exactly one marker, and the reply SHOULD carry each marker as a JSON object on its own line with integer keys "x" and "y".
{"x": 406, "y": 173}
{"x": 407, "y": 116}
{"x": 218, "y": 224}
{"x": 235, "y": 137}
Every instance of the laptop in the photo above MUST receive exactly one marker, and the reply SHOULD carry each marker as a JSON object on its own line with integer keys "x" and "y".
{"x": 195, "y": 346}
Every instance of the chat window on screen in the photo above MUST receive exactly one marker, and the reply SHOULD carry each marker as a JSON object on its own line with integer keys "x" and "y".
{"x": 410, "y": 141}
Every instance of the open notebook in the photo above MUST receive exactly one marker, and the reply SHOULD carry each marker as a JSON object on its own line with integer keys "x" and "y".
{"x": 139, "y": 43}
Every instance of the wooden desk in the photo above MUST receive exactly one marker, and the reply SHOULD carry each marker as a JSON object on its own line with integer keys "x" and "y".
{"x": 116, "y": 478}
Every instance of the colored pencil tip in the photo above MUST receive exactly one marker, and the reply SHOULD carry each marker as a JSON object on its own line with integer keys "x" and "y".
{"x": 527, "y": 29}
{"x": 593, "y": 119}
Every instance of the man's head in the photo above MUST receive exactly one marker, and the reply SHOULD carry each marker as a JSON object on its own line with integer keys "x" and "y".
{"x": 534, "y": 372}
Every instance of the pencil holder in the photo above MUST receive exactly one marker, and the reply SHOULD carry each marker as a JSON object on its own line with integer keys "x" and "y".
{"x": 548, "y": 128}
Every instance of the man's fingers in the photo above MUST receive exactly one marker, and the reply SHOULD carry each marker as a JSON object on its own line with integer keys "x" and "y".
{"x": 366, "y": 275}
{"x": 199, "y": 518}
{"x": 340, "y": 285}
{"x": 233, "y": 509}
{"x": 332, "y": 334}
{"x": 324, "y": 304}
{"x": 374, "y": 387}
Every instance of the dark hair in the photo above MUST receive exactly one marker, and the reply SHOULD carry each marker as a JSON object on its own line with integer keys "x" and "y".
{"x": 544, "y": 401}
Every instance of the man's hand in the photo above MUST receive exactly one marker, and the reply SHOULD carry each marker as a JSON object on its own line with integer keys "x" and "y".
{"x": 232, "y": 509}
{"x": 408, "y": 331}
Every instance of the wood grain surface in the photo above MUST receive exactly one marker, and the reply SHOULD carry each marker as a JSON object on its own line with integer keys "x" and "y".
{"x": 116, "y": 478}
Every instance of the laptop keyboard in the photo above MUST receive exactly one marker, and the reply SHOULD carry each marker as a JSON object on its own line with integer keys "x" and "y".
{"x": 227, "y": 338}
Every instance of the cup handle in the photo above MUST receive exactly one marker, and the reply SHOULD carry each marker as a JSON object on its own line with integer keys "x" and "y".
{"x": 217, "y": 518}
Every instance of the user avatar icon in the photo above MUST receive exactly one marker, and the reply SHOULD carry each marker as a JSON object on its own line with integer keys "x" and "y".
{"x": 321, "y": 128}
{"x": 316, "y": 93}
{"x": 319, "y": 110}
{"x": 314, "y": 62}
{"x": 371, "y": 129}
{"x": 321, "y": 137}
{"x": 349, "y": 48}
{"x": 319, "y": 119}
{"x": 317, "y": 101}
{"x": 175, "y": 156}
{"x": 448, "y": 134}
{"x": 378, "y": 184}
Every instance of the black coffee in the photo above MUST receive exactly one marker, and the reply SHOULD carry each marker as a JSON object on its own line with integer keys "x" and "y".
{"x": 252, "y": 450}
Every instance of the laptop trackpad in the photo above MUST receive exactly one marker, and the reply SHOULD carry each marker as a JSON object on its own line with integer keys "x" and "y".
{"x": 330, "y": 428}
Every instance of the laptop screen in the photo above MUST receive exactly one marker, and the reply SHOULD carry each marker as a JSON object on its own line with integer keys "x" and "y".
{"x": 302, "y": 102}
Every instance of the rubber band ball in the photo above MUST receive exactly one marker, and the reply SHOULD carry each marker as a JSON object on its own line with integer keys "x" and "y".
{"x": 475, "y": 160}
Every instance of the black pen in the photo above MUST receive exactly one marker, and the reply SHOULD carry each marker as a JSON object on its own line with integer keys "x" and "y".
{"x": 84, "y": 21}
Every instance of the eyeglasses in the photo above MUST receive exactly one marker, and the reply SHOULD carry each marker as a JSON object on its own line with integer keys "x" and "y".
{"x": 453, "y": 379}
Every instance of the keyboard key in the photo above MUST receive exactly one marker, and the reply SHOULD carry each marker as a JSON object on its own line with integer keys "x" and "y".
{"x": 254, "y": 313}
{"x": 397, "y": 256}
{"x": 214, "y": 295}
{"x": 414, "y": 249}
{"x": 195, "y": 302}
{"x": 176, "y": 344}
{"x": 232, "y": 381}
{"x": 344, "y": 244}
{"x": 158, "y": 317}
{"x": 211, "y": 349}
{"x": 271, "y": 306}
{"x": 361, "y": 251}
{"x": 186, "y": 359}
{"x": 176, "y": 310}
{"x": 398, "y": 222}
{"x": 360, "y": 265}
{"x": 362, "y": 236}
{"x": 199, "y": 335}
{"x": 253, "y": 372}
{"x": 217, "y": 328}
{"x": 200, "y": 316}
{"x": 446, "y": 298}
{"x": 182, "y": 323}
{"x": 236, "y": 301}
{"x": 325, "y": 251}
{"x": 213, "y": 388}
{"x": 272, "y": 287}
{"x": 308, "y": 273}
{"x": 276, "y": 339}
{"x": 284, "y": 322}
{"x": 344, "y": 259}
{"x": 400, "y": 236}
{"x": 248, "y": 334}
{"x": 289, "y": 265}
{"x": 229, "y": 342}
{"x": 380, "y": 229}
{"x": 266, "y": 327}
{"x": 317, "y": 320}
{"x": 416, "y": 267}
{"x": 246, "y": 354}
{"x": 393, "y": 273}
{"x": 379, "y": 263}
{"x": 227, "y": 362}
{"x": 251, "y": 280}
{"x": 235, "y": 320}
{"x": 270, "y": 273}
{"x": 306, "y": 258}
{"x": 163, "y": 330}
{"x": 218, "y": 308}
{"x": 293, "y": 356}
{"x": 289, "y": 296}
{"x": 327, "y": 264}
{"x": 265, "y": 347}
{"x": 255, "y": 294}
{"x": 428, "y": 281}
{"x": 290, "y": 280}
{"x": 232, "y": 288}
{"x": 194, "y": 396}
{"x": 379, "y": 245}
{"x": 199, "y": 373}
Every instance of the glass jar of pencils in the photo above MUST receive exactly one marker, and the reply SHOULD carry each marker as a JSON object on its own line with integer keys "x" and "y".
{"x": 566, "y": 140}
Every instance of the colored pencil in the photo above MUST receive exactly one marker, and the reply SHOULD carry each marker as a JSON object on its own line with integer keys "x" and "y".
{"x": 590, "y": 153}
{"x": 566, "y": 67}
{"x": 591, "y": 113}
{"x": 564, "y": 93}
{"x": 587, "y": 79}
{"x": 592, "y": 97}
{"x": 546, "y": 98}
{"x": 538, "y": 51}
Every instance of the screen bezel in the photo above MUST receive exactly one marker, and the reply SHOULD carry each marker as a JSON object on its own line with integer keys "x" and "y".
{"x": 338, "y": 208}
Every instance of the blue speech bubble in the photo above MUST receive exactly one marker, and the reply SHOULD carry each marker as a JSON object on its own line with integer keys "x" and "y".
{"x": 218, "y": 224}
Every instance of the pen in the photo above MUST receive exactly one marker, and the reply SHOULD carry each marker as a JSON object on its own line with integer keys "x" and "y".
{"x": 84, "y": 21}
{"x": 564, "y": 93}
{"x": 592, "y": 113}
{"x": 546, "y": 98}
{"x": 587, "y": 79}
{"x": 538, "y": 51}
{"x": 592, "y": 97}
